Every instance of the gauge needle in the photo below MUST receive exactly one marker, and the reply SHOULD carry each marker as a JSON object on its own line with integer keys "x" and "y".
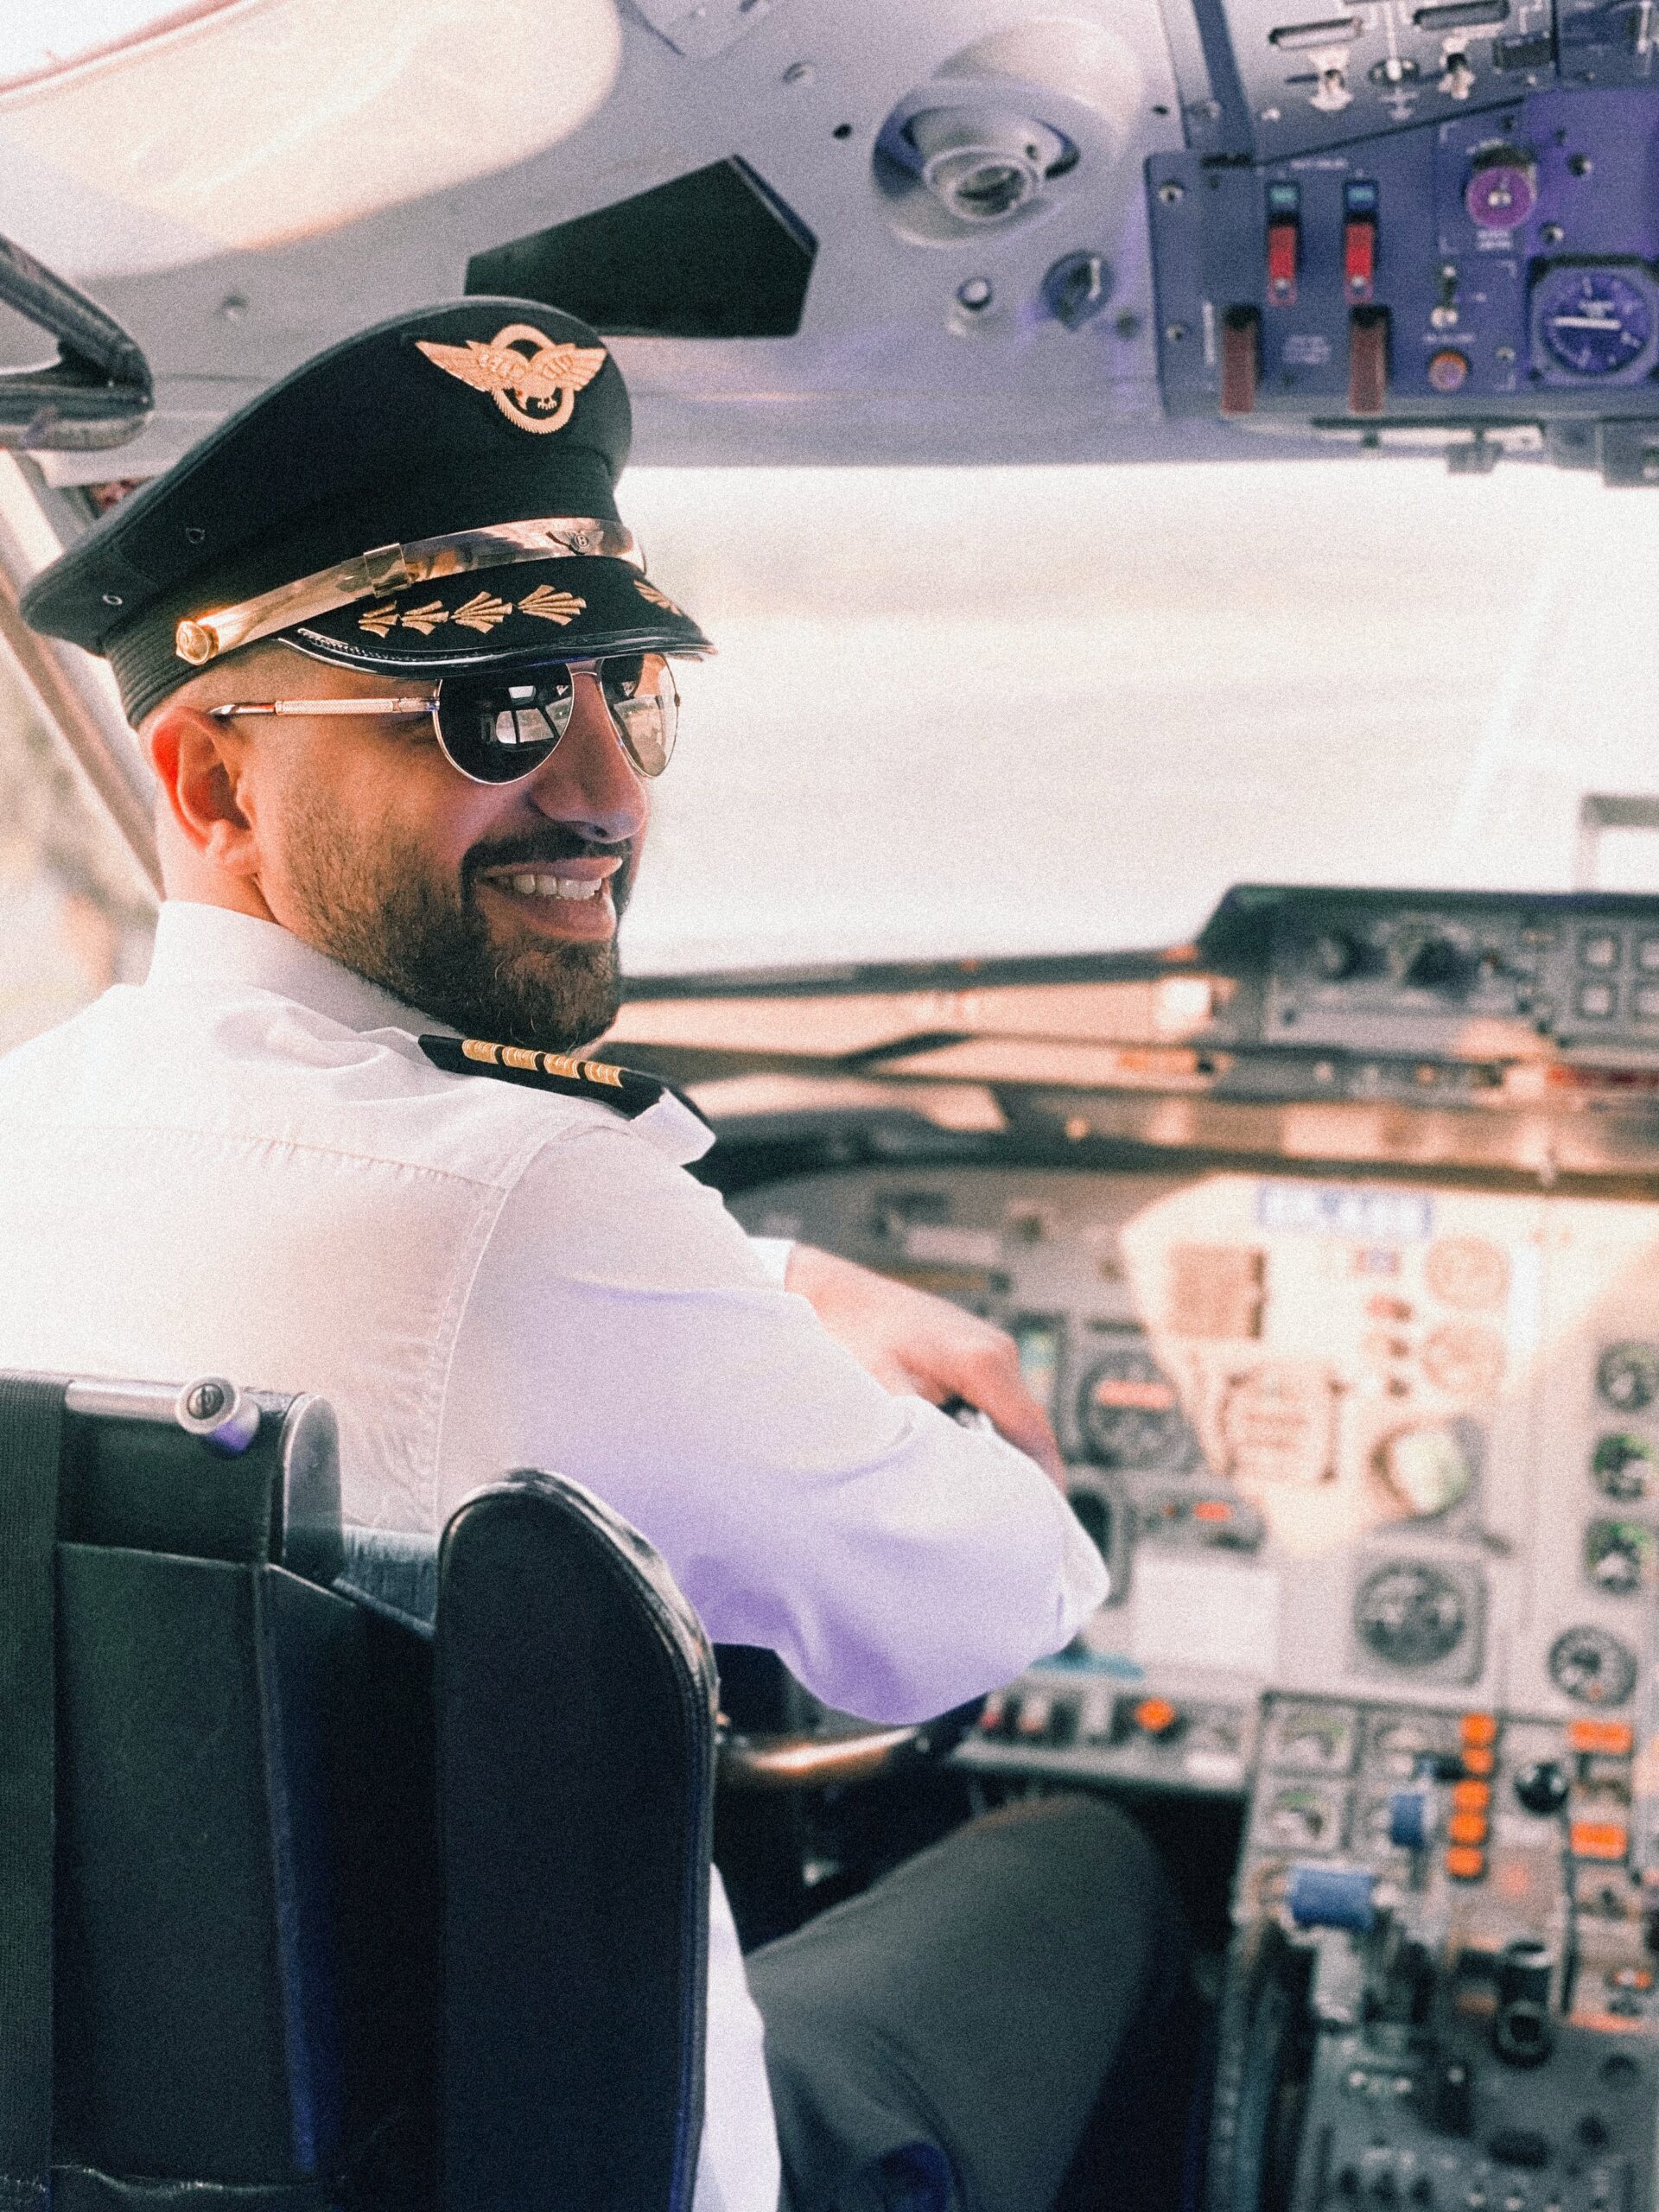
{"x": 1585, "y": 322}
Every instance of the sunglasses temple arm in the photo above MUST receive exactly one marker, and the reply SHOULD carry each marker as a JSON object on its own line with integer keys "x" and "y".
{"x": 323, "y": 707}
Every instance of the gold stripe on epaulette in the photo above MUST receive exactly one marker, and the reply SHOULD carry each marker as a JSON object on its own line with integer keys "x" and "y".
{"x": 561, "y": 1064}
{"x": 597, "y": 1071}
{"x": 475, "y": 1049}
{"x": 515, "y": 1056}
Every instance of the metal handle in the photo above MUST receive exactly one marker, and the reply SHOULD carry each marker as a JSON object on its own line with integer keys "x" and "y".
{"x": 225, "y": 1419}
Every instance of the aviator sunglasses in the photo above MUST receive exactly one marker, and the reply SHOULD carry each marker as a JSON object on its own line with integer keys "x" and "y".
{"x": 495, "y": 730}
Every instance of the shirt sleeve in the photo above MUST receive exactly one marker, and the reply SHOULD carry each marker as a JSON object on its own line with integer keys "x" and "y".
{"x": 623, "y": 1331}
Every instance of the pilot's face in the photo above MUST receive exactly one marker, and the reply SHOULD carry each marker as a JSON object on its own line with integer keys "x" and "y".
{"x": 493, "y": 907}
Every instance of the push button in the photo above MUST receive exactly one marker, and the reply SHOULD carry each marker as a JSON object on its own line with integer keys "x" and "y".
{"x": 1466, "y": 1827}
{"x": 1479, "y": 1729}
{"x": 1465, "y": 1862}
{"x": 1471, "y": 1796}
{"x": 1602, "y": 1840}
{"x": 1613, "y": 1739}
{"x": 1156, "y": 1717}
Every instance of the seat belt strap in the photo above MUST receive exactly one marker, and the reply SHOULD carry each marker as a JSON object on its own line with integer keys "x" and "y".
{"x": 31, "y": 1432}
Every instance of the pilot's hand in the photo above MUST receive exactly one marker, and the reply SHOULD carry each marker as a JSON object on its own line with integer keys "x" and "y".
{"x": 917, "y": 1344}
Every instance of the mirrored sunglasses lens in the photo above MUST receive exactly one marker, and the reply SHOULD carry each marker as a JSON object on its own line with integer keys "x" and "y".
{"x": 640, "y": 692}
{"x": 499, "y": 735}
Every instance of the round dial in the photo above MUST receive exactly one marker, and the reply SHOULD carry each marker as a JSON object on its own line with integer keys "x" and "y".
{"x": 1621, "y": 1556}
{"x": 1627, "y": 1376}
{"x": 1622, "y": 1466}
{"x": 1410, "y": 1615}
{"x": 1596, "y": 322}
{"x": 1592, "y": 1667}
{"x": 1129, "y": 1413}
{"x": 1503, "y": 188}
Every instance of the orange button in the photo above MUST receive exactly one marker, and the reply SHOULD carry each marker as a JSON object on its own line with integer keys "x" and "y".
{"x": 1472, "y": 1796}
{"x": 1477, "y": 1728}
{"x": 1613, "y": 1739}
{"x": 1464, "y": 1862}
{"x": 1600, "y": 1839}
{"x": 1212, "y": 1509}
{"x": 1466, "y": 1827}
{"x": 1476, "y": 1761}
{"x": 1155, "y": 1716}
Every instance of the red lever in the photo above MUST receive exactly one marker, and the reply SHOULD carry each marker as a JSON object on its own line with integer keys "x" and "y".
{"x": 1358, "y": 257}
{"x": 1284, "y": 240}
{"x": 1241, "y": 360}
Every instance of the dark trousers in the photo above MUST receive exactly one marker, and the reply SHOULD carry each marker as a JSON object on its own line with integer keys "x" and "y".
{"x": 1004, "y": 2024}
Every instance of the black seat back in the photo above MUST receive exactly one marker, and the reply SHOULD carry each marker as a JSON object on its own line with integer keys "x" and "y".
{"x": 292, "y": 1965}
{"x": 576, "y": 1706}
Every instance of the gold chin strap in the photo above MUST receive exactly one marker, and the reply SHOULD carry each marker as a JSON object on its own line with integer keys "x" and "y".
{"x": 204, "y": 637}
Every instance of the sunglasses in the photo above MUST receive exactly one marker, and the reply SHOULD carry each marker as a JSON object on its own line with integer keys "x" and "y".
{"x": 495, "y": 730}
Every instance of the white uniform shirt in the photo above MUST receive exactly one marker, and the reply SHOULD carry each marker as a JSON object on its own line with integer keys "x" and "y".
{"x": 246, "y": 1166}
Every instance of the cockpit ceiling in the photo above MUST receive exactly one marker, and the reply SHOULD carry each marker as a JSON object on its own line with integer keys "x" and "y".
{"x": 964, "y": 230}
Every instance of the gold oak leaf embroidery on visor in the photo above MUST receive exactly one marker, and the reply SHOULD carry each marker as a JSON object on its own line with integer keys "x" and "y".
{"x": 379, "y": 620}
{"x": 483, "y": 612}
{"x": 656, "y": 597}
{"x": 551, "y": 606}
{"x": 426, "y": 619}
{"x": 536, "y": 391}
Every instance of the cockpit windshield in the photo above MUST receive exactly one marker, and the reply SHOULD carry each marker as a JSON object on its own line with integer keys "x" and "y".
{"x": 997, "y": 710}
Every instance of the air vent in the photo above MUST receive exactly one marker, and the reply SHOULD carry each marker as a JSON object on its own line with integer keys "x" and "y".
{"x": 716, "y": 254}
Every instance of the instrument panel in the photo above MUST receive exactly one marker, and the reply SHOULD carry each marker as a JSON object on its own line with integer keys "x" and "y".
{"x": 1358, "y": 1437}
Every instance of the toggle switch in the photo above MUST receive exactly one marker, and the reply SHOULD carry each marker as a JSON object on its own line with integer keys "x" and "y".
{"x": 1284, "y": 243}
{"x": 1368, "y": 360}
{"x": 1241, "y": 360}
{"x": 1359, "y": 204}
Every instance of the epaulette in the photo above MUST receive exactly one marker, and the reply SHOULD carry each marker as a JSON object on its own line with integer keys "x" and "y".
{"x": 624, "y": 1089}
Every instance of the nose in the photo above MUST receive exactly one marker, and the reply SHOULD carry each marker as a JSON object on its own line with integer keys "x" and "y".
{"x": 587, "y": 782}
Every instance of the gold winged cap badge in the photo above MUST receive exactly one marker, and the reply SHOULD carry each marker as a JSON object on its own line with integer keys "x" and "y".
{"x": 536, "y": 391}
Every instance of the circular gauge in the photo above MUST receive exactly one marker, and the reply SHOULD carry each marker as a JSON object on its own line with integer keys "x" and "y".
{"x": 1464, "y": 1358}
{"x": 1129, "y": 1413}
{"x": 1428, "y": 1471}
{"x": 1627, "y": 1376}
{"x": 1622, "y": 1466}
{"x": 1621, "y": 1556}
{"x": 1592, "y": 1667}
{"x": 1410, "y": 1615}
{"x": 1467, "y": 1271}
{"x": 1596, "y": 322}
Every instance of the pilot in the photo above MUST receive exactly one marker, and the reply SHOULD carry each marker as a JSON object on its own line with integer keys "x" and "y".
{"x": 406, "y": 685}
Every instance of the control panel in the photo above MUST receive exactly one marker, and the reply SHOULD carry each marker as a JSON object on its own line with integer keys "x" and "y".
{"x": 1435, "y": 224}
{"x": 1475, "y": 975}
{"x": 1358, "y": 1437}
{"x": 1469, "y": 1946}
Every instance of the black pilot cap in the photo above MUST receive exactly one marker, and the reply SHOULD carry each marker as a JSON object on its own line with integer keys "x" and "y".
{"x": 435, "y": 495}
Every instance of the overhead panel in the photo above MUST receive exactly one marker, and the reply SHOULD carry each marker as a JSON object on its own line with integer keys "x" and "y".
{"x": 1318, "y": 73}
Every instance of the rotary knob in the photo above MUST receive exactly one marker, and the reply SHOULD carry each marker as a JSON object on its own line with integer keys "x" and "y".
{"x": 1503, "y": 188}
{"x": 1334, "y": 955}
{"x": 1541, "y": 1787}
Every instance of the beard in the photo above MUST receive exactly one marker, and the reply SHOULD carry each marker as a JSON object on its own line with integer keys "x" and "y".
{"x": 382, "y": 912}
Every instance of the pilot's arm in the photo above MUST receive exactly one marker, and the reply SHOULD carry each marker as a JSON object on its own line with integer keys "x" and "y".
{"x": 622, "y": 1330}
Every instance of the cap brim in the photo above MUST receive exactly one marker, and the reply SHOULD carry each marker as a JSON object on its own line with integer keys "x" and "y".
{"x": 511, "y": 617}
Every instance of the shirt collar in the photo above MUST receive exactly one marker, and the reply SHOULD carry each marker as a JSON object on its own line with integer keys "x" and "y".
{"x": 214, "y": 945}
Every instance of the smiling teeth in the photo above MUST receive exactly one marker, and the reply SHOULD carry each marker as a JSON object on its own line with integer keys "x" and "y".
{"x": 529, "y": 886}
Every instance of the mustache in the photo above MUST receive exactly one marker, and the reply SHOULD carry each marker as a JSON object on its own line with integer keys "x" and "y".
{"x": 544, "y": 847}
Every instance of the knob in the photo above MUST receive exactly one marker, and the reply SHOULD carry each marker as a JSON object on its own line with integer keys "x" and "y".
{"x": 1541, "y": 1787}
{"x": 1503, "y": 188}
{"x": 1334, "y": 955}
{"x": 1522, "y": 2034}
{"x": 1438, "y": 964}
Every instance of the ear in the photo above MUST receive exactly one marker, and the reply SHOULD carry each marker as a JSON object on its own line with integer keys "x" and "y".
{"x": 200, "y": 765}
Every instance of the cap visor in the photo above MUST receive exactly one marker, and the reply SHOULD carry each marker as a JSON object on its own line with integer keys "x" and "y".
{"x": 563, "y": 609}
